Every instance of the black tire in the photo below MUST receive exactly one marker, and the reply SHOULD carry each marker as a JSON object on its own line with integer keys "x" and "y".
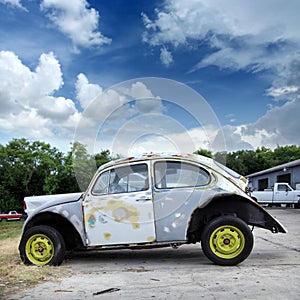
{"x": 42, "y": 245}
{"x": 4, "y": 220}
{"x": 227, "y": 240}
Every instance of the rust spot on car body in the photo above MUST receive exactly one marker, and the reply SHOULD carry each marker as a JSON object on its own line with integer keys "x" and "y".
{"x": 122, "y": 212}
{"x": 107, "y": 235}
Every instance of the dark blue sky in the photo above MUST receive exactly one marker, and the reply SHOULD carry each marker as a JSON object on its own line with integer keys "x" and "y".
{"x": 243, "y": 59}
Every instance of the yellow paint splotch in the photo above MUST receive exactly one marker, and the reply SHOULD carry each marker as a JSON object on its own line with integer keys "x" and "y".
{"x": 122, "y": 212}
{"x": 150, "y": 239}
{"x": 107, "y": 235}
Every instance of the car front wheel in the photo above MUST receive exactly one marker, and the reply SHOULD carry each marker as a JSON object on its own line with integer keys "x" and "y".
{"x": 42, "y": 245}
{"x": 227, "y": 240}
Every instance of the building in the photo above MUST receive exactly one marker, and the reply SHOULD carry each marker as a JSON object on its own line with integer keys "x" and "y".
{"x": 289, "y": 172}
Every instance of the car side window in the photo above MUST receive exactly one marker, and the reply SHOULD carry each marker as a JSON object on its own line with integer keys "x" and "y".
{"x": 101, "y": 185}
{"x": 128, "y": 179}
{"x": 171, "y": 174}
{"x": 125, "y": 179}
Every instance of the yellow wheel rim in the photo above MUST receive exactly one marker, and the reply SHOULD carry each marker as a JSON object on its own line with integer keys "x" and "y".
{"x": 227, "y": 242}
{"x": 39, "y": 249}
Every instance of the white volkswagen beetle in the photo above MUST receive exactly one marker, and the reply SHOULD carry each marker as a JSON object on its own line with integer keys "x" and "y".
{"x": 148, "y": 201}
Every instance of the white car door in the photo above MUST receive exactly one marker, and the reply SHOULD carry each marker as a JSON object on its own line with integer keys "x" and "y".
{"x": 283, "y": 194}
{"x": 119, "y": 207}
{"x": 179, "y": 188}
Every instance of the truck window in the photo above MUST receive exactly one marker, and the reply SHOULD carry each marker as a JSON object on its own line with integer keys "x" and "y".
{"x": 283, "y": 188}
{"x": 170, "y": 174}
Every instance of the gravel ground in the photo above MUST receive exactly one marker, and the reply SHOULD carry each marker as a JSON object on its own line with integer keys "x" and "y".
{"x": 272, "y": 271}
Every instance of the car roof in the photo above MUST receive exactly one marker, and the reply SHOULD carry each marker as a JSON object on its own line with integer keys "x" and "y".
{"x": 153, "y": 156}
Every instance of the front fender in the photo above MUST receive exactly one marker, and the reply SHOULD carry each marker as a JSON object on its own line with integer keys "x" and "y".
{"x": 71, "y": 212}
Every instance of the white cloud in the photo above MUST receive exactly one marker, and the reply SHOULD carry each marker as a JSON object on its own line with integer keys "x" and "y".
{"x": 112, "y": 110}
{"x": 20, "y": 87}
{"x": 14, "y": 3}
{"x": 77, "y": 20}
{"x": 139, "y": 90}
{"x": 27, "y": 123}
{"x": 219, "y": 21}
{"x": 48, "y": 71}
{"x": 154, "y": 132}
{"x": 57, "y": 109}
{"x": 166, "y": 57}
{"x": 279, "y": 126}
{"x": 251, "y": 36}
{"x": 282, "y": 92}
{"x": 28, "y": 106}
{"x": 146, "y": 101}
{"x": 85, "y": 91}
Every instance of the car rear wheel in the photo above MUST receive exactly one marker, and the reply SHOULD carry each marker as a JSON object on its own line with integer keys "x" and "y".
{"x": 42, "y": 245}
{"x": 227, "y": 240}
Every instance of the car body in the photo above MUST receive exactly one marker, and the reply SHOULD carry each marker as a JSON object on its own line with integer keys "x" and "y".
{"x": 149, "y": 201}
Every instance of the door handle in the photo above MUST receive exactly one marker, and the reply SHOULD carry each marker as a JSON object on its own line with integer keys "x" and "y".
{"x": 143, "y": 199}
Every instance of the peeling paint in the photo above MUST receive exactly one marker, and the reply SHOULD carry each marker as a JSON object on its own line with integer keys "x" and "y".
{"x": 91, "y": 220}
{"x": 150, "y": 239}
{"x": 218, "y": 189}
{"x": 166, "y": 229}
{"x": 122, "y": 212}
{"x": 107, "y": 235}
{"x": 101, "y": 219}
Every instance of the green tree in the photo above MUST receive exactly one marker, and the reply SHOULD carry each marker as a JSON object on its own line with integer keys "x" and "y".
{"x": 204, "y": 152}
{"x": 284, "y": 154}
{"x": 63, "y": 180}
{"x": 251, "y": 161}
{"x": 102, "y": 158}
{"x": 84, "y": 165}
{"x": 24, "y": 167}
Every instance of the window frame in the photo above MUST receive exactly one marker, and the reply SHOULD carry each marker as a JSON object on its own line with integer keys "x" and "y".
{"x": 114, "y": 168}
{"x": 96, "y": 181}
{"x": 205, "y": 171}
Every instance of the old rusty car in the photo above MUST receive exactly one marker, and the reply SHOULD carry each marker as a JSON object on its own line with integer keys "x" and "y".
{"x": 148, "y": 201}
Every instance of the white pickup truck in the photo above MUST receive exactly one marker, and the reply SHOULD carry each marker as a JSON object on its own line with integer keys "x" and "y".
{"x": 282, "y": 193}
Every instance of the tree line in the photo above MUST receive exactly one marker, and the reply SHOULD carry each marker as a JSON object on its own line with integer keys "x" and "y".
{"x": 35, "y": 168}
{"x": 246, "y": 162}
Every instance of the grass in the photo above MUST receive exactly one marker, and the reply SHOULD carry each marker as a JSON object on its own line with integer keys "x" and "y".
{"x": 14, "y": 275}
{"x": 10, "y": 229}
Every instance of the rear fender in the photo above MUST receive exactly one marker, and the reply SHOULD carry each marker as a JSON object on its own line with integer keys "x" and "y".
{"x": 231, "y": 204}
